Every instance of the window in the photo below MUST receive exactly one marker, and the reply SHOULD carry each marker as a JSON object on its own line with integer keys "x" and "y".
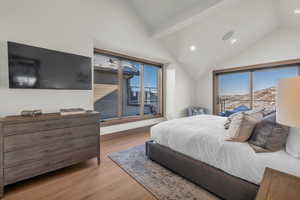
{"x": 264, "y": 84}
{"x": 125, "y": 88}
{"x": 234, "y": 90}
{"x": 132, "y": 89}
{"x": 251, "y": 88}
{"x": 151, "y": 90}
{"x": 106, "y": 86}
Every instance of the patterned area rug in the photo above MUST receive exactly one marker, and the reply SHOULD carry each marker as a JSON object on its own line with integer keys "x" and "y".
{"x": 162, "y": 183}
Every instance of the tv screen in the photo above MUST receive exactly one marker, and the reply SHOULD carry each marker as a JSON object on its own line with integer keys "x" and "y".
{"x": 38, "y": 68}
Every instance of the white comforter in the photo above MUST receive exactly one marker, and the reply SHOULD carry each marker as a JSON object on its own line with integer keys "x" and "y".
{"x": 202, "y": 137}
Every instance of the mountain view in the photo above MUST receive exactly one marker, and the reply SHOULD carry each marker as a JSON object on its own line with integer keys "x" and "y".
{"x": 262, "y": 98}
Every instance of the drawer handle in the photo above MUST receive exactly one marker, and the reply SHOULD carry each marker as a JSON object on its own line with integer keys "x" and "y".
{"x": 57, "y": 136}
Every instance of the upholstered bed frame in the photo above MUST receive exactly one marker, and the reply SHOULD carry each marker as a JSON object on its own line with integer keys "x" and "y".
{"x": 212, "y": 179}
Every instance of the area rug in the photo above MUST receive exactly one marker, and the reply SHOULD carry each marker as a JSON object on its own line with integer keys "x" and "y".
{"x": 161, "y": 182}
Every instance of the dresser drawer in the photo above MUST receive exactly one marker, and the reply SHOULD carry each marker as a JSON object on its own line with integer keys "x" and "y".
{"x": 85, "y": 142}
{"x": 21, "y": 172}
{"x": 48, "y": 125}
{"x": 36, "y": 153}
{"x": 20, "y": 157}
{"x": 22, "y": 141}
{"x": 84, "y": 131}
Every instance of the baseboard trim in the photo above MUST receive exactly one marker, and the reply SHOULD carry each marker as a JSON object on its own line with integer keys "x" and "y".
{"x": 125, "y": 133}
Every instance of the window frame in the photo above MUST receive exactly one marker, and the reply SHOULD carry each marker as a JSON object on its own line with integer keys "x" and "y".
{"x": 250, "y": 69}
{"x": 126, "y": 119}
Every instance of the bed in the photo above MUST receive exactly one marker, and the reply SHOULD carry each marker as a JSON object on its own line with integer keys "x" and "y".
{"x": 194, "y": 147}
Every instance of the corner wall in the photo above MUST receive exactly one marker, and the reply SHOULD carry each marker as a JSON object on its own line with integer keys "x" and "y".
{"x": 282, "y": 44}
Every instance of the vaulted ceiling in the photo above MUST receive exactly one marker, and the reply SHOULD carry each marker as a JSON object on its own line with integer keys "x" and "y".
{"x": 159, "y": 15}
{"x": 193, "y": 30}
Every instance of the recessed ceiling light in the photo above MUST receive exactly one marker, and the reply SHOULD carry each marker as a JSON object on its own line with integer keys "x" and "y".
{"x": 193, "y": 48}
{"x": 297, "y": 11}
{"x": 233, "y": 41}
{"x": 228, "y": 35}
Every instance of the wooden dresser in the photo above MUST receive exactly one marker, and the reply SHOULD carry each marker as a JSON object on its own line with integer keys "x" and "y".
{"x": 31, "y": 146}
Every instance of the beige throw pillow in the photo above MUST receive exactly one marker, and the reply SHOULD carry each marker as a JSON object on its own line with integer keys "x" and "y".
{"x": 229, "y": 119}
{"x": 242, "y": 125}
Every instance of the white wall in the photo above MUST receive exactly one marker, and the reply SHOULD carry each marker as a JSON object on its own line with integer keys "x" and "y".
{"x": 77, "y": 26}
{"x": 47, "y": 24}
{"x": 282, "y": 44}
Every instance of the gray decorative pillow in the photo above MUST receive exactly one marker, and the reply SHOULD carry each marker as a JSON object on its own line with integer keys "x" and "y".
{"x": 268, "y": 136}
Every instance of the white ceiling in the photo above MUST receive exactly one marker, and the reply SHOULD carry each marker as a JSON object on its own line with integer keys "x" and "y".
{"x": 158, "y": 14}
{"x": 178, "y": 24}
{"x": 251, "y": 20}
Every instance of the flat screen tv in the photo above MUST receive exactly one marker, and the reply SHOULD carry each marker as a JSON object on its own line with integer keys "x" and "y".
{"x": 37, "y": 68}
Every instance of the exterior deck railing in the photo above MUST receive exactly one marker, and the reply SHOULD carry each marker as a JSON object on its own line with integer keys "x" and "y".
{"x": 226, "y": 102}
{"x": 151, "y": 97}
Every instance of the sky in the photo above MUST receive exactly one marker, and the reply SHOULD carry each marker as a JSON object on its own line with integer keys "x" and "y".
{"x": 238, "y": 83}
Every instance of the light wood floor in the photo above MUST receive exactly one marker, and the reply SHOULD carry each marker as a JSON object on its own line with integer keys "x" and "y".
{"x": 86, "y": 181}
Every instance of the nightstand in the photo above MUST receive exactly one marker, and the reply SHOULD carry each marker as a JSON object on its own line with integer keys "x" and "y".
{"x": 279, "y": 186}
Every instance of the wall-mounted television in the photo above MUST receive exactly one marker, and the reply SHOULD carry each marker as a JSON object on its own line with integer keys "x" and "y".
{"x": 37, "y": 68}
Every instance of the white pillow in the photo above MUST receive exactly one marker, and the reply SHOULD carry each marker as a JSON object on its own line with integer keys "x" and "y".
{"x": 293, "y": 143}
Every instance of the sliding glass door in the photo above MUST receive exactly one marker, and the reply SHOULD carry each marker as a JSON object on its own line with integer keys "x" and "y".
{"x": 250, "y": 88}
